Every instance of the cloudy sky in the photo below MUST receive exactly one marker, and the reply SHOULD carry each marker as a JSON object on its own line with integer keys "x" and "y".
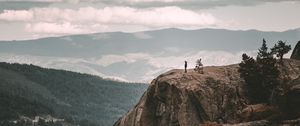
{"x": 29, "y": 19}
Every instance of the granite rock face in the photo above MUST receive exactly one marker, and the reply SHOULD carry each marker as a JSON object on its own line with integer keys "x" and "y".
{"x": 176, "y": 98}
{"x": 293, "y": 99}
{"x": 296, "y": 52}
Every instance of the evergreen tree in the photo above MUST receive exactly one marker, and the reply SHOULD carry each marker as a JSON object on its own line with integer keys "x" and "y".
{"x": 250, "y": 72}
{"x": 268, "y": 69}
{"x": 263, "y": 51}
{"x": 280, "y": 49}
{"x": 260, "y": 75}
{"x": 247, "y": 67}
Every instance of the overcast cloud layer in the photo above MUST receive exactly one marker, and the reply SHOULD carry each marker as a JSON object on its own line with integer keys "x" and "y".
{"x": 155, "y": 3}
{"x": 89, "y": 19}
{"x": 30, "y": 19}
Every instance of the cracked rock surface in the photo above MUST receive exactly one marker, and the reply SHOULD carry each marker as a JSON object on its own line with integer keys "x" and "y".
{"x": 176, "y": 98}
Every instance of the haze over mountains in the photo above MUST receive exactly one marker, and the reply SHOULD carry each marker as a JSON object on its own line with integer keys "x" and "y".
{"x": 140, "y": 56}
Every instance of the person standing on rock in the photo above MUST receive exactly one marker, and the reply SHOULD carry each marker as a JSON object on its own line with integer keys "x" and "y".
{"x": 185, "y": 66}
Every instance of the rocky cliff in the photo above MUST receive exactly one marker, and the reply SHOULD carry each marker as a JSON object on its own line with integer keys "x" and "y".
{"x": 296, "y": 52}
{"x": 215, "y": 97}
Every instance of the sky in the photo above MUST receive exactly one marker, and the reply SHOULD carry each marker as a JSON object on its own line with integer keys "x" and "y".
{"x": 31, "y": 19}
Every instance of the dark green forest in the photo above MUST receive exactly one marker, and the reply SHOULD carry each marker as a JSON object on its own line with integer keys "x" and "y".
{"x": 81, "y": 99}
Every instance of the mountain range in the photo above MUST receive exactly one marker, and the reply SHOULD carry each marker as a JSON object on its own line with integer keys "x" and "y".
{"x": 140, "y": 56}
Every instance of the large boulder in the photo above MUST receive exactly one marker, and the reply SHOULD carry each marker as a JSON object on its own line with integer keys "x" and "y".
{"x": 259, "y": 112}
{"x": 215, "y": 97}
{"x": 296, "y": 52}
{"x": 293, "y": 100}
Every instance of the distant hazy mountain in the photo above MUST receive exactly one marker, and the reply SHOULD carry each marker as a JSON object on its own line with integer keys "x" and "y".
{"x": 140, "y": 56}
{"x": 27, "y": 90}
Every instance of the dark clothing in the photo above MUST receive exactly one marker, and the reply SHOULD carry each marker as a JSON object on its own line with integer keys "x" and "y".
{"x": 185, "y": 66}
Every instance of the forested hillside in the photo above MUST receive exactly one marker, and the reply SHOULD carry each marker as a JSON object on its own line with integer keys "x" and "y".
{"x": 28, "y": 90}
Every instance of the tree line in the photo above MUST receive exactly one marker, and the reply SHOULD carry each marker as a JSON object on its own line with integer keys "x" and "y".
{"x": 261, "y": 74}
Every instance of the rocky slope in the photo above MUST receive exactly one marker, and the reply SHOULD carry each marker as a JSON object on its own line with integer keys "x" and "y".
{"x": 296, "y": 52}
{"x": 216, "y": 97}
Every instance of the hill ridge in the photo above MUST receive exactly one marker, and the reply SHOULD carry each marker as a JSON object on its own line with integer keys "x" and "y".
{"x": 80, "y": 97}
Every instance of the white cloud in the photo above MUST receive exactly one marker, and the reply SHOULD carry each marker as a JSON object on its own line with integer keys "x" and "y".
{"x": 165, "y": 1}
{"x": 160, "y": 64}
{"x": 209, "y": 58}
{"x": 107, "y": 60}
{"x": 70, "y": 1}
{"x": 54, "y": 28}
{"x": 154, "y": 65}
{"x": 89, "y": 19}
{"x": 20, "y": 15}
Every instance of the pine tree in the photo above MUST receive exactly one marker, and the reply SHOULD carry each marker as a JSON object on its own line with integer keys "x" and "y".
{"x": 263, "y": 51}
{"x": 267, "y": 65}
{"x": 247, "y": 67}
{"x": 260, "y": 75}
{"x": 250, "y": 72}
{"x": 268, "y": 69}
{"x": 280, "y": 49}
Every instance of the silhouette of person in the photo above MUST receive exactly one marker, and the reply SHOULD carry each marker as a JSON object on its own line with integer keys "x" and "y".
{"x": 185, "y": 66}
